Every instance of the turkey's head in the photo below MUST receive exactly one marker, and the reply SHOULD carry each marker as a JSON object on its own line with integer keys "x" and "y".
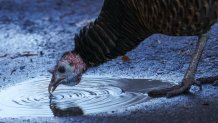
{"x": 68, "y": 71}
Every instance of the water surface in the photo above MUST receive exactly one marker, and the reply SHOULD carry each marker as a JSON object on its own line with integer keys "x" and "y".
{"x": 93, "y": 95}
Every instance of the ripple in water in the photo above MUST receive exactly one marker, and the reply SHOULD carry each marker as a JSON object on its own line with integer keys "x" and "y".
{"x": 92, "y": 95}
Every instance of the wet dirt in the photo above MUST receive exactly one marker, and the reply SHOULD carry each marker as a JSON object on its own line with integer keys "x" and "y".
{"x": 92, "y": 96}
{"x": 46, "y": 28}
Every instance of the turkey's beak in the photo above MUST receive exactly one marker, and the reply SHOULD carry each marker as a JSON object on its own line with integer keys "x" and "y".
{"x": 54, "y": 84}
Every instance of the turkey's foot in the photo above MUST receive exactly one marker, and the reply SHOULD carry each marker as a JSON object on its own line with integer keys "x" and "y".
{"x": 213, "y": 79}
{"x": 175, "y": 90}
{"x": 188, "y": 79}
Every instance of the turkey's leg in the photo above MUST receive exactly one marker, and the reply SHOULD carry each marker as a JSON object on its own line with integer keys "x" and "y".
{"x": 189, "y": 77}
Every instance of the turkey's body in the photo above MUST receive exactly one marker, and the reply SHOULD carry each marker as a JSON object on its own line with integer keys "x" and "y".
{"x": 123, "y": 24}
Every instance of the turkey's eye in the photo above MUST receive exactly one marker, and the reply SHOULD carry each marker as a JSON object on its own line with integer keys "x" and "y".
{"x": 61, "y": 69}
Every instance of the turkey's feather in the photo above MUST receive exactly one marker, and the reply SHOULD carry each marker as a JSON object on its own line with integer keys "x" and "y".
{"x": 123, "y": 24}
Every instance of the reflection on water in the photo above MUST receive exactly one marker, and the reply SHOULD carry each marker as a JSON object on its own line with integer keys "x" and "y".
{"x": 71, "y": 111}
{"x": 92, "y": 95}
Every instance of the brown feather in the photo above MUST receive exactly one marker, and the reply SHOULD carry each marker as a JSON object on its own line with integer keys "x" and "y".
{"x": 123, "y": 24}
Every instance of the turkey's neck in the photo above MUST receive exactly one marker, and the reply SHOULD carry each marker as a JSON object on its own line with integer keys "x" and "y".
{"x": 102, "y": 41}
{"x": 77, "y": 62}
{"x": 95, "y": 43}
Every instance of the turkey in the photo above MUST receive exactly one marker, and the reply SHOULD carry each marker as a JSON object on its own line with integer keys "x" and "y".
{"x": 123, "y": 24}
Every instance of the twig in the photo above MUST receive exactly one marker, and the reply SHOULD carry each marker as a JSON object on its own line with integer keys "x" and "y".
{"x": 24, "y": 54}
{"x": 3, "y": 55}
{"x": 14, "y": 70}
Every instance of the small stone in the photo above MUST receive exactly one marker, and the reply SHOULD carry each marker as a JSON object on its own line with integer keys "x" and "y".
{"x": 22, "y": 67}
{"x": 28, "y": 23}
{"x": 41, "y": 53}
{"x": 205, "y": 103}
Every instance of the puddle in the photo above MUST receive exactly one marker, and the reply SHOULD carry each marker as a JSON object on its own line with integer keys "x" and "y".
{"x": 92, "y": 95}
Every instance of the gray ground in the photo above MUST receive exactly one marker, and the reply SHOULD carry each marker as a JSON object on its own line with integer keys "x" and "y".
{"x": 45, "y": 29}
